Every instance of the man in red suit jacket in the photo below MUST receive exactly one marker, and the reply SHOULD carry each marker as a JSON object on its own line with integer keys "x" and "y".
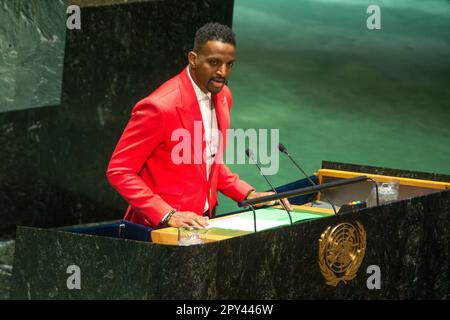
{"x": 145, "y": 167}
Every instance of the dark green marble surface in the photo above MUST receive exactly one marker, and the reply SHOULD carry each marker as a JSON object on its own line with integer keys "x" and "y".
{"x": 409, "y": 240}
{"x": 32, "y": 40}
{"x": 6, "y": 265}
{"x": 88, "y": 3}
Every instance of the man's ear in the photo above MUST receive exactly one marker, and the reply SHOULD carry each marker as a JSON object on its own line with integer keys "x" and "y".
{"x": 192, "y": 57}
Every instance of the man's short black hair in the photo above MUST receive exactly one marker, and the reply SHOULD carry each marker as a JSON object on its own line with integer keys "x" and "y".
{"x": 214, "y": 32}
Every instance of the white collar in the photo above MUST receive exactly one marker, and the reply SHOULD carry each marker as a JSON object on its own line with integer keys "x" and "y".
{"x": 198, "y": 92}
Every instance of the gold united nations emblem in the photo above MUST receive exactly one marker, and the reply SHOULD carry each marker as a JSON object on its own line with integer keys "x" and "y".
{"x": 341, "y": 251}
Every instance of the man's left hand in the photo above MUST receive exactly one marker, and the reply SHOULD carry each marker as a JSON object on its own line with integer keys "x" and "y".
{"x": 256, "y": 194}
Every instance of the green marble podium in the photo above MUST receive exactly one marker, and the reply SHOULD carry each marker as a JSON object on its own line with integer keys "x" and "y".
{"x": 407, "y": 240}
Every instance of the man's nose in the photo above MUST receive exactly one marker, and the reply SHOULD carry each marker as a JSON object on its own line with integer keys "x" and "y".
{"x": 222, "y": 71}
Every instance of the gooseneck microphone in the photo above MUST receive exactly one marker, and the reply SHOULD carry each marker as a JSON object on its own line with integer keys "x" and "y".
{"x": 284, "y": 150}
{"x": 251, "y": 156}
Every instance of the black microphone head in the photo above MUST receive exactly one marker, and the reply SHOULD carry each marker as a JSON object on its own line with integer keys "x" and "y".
{"x": 249, "y": 153}
{"x": 282, "y": 148}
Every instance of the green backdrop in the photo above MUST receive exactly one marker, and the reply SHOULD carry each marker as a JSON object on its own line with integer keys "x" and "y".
{"x": 339, "y": 91}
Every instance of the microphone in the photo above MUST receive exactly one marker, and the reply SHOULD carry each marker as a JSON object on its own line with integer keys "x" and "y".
{"x": 284, "y": 150}
{"x": 251, "y": 156}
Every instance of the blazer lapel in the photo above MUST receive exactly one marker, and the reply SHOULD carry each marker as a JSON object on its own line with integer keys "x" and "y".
{"x": 191, "y": 118}
{"x": 223, "y": 114}
{"x": 223, "y": 121}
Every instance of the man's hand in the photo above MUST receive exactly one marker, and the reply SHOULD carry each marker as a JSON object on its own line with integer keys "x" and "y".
{"x": 254, "y": 195}
{"x": 188, "y": 219}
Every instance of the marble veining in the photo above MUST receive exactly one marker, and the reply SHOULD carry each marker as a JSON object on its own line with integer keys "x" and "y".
{"x": 408, "y": 240}
{"x": 32, "y": 39}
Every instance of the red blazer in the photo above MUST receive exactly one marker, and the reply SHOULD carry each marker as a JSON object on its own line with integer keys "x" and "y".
{"x": 141, "y": 168}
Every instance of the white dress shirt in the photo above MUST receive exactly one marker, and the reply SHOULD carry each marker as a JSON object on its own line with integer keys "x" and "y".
{"x": 210, "y": 126}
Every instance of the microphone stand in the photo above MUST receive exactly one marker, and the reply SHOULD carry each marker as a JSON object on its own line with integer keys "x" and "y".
{"x": 283, "y": 149}
{"x": 376, "y": 190}
{"x": 250, "y": 155}
{"x": 254, "y": 216}
{"x": 302, "y": 191}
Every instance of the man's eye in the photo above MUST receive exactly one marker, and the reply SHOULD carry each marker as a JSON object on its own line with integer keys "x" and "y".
{"x": 230, "y": 64}
{"x": 213, "y": 62}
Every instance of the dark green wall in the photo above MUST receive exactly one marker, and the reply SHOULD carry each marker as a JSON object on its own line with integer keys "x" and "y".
{"x": 338, "y": 91}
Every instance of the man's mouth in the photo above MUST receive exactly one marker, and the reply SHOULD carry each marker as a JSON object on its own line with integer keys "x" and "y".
{"x": 217, "y": 82}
